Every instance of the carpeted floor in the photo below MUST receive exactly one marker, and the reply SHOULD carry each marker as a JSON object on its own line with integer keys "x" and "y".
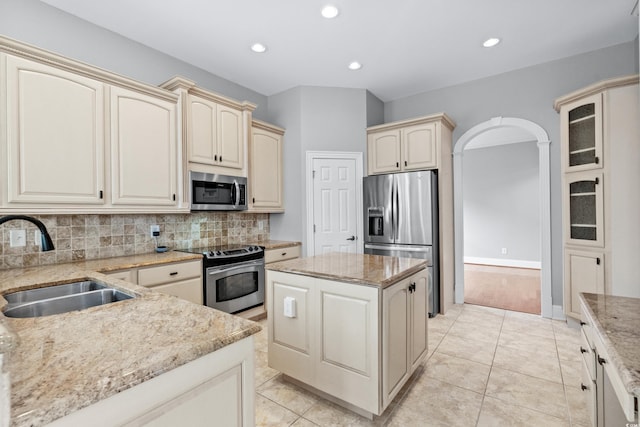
{"x": 516, "y": 289}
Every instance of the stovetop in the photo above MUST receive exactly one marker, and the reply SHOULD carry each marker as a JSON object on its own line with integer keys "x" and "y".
{"x": 227, "y": 251}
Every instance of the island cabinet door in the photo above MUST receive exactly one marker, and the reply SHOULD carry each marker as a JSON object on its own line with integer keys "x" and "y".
{"x": 395, "y": 339}
{"x": 347, "y": 340}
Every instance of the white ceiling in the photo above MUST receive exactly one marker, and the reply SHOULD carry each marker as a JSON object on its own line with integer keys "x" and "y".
{"x": 405, "y": 46}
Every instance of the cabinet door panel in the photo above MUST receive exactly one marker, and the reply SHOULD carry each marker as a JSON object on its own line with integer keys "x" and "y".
{"x": 230, "y": 142}
{"x": 419, "y": 311}
{"x": 202, "y": 131}
{"x": 189, "y": 290}
{"x": 581, "y": 124}
{"x": 266, "y": 169}
{"x": 383, "y": 152}
{"x": 584, "y": 209}
{"x": 55, "y": 130}
{"x": 419, "y": 147}
{"x": 395, "y": 339}
{"x": 584, "y": 272}
{"x": 143, "y": 147}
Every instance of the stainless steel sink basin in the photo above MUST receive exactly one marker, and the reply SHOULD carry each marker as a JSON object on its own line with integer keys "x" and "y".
{"x": 61, "y": 299}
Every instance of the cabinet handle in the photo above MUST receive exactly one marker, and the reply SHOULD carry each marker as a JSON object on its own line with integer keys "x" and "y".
{"x": 601, "y": 361}
{"x": 597, "y": 181}
{"x": 173, "y": 273}
{"x": 598, "y": 261}
{"x": 397, "y": 164}
{"x": 220, "y": 157}
{"x": 596, "y": 160}
{"x": 405, "y": 163}
{"x": 254, "y": 200}
{"x": 101, "y": 194}
{"x": 174, "y": 197}
{"x": 582, "y": 350}
{"x": 583, "y": 387}
{"x": 215, "y": 157}
{"x": 582, "y": 323}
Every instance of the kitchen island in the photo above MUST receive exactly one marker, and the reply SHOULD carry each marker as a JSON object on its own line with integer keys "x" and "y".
{"x": 144, "y": 359}
{"x": 350, "y": 327}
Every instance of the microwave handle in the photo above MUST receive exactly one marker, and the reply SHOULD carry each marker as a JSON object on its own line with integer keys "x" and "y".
{"x": 236, "y": 199}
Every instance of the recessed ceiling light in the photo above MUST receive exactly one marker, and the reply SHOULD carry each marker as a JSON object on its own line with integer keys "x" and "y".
{"x": 491, "y": 42}
{"x": 355, "y": 65}
{"x": 258, "y": 48}
{"x": 329, "y": 11}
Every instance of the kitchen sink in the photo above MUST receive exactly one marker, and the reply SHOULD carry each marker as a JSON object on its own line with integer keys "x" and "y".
{"x": 61, "y": 299}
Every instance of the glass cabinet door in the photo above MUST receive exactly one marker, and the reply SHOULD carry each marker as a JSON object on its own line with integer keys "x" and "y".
{"x": 584, "y": 209}
{"x": 583, "y": 124}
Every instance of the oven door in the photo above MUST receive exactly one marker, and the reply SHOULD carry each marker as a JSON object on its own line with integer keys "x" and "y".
{"x": 235, "y": 287}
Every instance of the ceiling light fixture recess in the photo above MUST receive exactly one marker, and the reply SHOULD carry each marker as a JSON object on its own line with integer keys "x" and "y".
{"x": 355, "y": 65}
{"x": 491, "y": 42}
{"x": 329, "y": 11}
{"x": 258, "y": 48}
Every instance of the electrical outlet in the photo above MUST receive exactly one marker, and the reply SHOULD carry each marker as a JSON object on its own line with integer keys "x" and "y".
{"x": 155, "y": 230}
{"x": 504, "y": 251}
{"x": 260, "y": 225}
{"x": 17, "y": 238}
{"x": 37, "y": 237}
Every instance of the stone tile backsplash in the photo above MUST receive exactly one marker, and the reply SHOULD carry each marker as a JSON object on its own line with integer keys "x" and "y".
{"x": 78, "y": 237}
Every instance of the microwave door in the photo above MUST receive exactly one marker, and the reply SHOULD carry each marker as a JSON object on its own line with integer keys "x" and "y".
{"x": 378, "y": 208}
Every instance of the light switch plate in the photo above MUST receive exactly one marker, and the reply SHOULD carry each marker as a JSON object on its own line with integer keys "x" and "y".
{"x": 17, "y": 238}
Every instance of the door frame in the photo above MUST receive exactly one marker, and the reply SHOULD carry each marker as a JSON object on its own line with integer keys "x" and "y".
{"x": 542, "y": 139}
{"x": 348, "y": 155}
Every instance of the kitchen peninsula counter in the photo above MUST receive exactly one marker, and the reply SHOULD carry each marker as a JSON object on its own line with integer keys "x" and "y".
{"x": 65, "y": 362}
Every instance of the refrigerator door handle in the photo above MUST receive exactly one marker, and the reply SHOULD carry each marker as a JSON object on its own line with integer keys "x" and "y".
{"x": 396, "y": 248}
{"x": 394, "y": 208}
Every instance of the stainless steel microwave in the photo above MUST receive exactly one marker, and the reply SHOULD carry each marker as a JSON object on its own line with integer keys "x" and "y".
{"x": 214, "y": 192}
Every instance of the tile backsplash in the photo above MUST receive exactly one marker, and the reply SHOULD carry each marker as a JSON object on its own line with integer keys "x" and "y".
{"x": 78, "y": 237}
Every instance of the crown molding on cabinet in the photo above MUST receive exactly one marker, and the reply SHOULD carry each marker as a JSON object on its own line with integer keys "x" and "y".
{"x": 443, "y": 117}
{"x": 596, "y": 88}
{"x": 258, "y": 124}
{"x": 179, "y": 82}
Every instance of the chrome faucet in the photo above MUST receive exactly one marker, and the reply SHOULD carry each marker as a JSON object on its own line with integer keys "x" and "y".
{"x": 46, "y": 243}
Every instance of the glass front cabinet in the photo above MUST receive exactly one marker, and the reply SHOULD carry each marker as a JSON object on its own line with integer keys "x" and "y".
{"x": 582, "y": 122}
{"x": 584, "y": 209}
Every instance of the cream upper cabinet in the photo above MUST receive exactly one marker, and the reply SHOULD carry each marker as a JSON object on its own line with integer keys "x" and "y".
{"x": 54, "y": 135}
{"x": 408, "y": 145}
{"x": 80, "y": 139}
{"x": 215, "y": 134}
{"x": 265, "y": 168}
{"x": 143, "y": 149}
{"x": 600, "y": 155}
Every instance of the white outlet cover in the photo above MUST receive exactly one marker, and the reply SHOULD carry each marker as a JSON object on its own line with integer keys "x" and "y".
{"x": 17, "y": 238}
{"x": 37, "y": 237}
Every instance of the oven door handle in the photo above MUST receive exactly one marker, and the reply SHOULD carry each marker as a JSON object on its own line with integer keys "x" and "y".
{"x": 216, "y": 271}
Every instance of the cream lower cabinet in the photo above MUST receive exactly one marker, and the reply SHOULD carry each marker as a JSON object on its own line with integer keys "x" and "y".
{"x": 338, "y": 339}
{"x": 216, "y": 389}
{"x": 54, "y": 135}
{"x": 584, "y": 272}
{"x": 143, "y": 149}
{"x": 265, "y": 168}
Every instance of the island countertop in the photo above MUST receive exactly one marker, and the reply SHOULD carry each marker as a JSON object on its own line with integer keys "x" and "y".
{"x": 617, "y": 322}
{"x": 363, "y": 269}
{"x": 65, "y": 362}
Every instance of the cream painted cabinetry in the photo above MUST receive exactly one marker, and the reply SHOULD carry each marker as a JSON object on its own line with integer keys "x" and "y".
{"x": 281, "y": 254}
{"x": 600, "y": 131}
{"x": 265, "y": 168}
{"x": 346, "y": 340}
{"x": 79, "y": 139}
{"x": 216, "y": 129}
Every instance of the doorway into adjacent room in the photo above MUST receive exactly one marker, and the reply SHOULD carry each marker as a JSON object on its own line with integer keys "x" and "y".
{"x": 502, "y": 216}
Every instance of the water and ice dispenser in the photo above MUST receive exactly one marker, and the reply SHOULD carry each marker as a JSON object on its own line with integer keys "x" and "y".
{"x": 376, "y": 221}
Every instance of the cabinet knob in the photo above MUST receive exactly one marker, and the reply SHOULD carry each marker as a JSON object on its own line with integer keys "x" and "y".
{"x": 405, "y": 163}
{"x": 583, "y": 387}
{"x": 215, "y": 157}
{"x": 601, "y": 361}
{"x": 582, "y": 323}
{"x": 582, "y": 350}
{"x": 598, "y": 261}
{"x": 596, "y": 160}
{"x": 220, "y": 157}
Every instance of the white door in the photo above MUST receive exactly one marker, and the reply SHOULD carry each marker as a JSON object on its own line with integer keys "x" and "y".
{"x": 336, "y": 205}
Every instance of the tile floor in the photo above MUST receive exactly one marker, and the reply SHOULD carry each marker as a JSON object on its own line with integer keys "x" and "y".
{"x": 485, "y": 367}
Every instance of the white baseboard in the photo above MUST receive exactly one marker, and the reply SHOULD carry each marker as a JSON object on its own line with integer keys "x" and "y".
{"x": 516, "y": 263}
{"x": 558, "y": 313}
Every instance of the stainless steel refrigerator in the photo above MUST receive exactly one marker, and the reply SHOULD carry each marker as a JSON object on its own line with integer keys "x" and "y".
{"x": 401, "y": 219}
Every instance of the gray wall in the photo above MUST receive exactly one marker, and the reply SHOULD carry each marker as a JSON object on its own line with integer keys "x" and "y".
{"x": 323, "y": 119}
{"x": 528, "y": 93}
{"x": 502, "y": 202}
{"x": 41, "y": 25}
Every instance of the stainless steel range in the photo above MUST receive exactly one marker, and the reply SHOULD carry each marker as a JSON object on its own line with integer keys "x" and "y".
{"x": 233, "y": 276}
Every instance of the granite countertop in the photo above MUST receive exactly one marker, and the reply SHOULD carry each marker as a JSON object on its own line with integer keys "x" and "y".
{"x": 65, "y": 362}
{"x": 617, "y": 322}
{"x": 362, "y": 269}
{"x": 278, "y": 244}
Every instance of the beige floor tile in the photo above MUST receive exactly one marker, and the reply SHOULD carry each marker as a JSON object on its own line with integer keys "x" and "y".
{"x": 523, "y": 390}
{"x": 528, "y": 363}
{"x": 468, "y": 348}
{"x": 487, "y": 319}
{"x": 526, "y": 342}
{"x": 537, "y": 327}
{"x": 434, "y": 403}
{"x": 325, "y": 413}
{"x": 303, "y": 422}
{"x": 475, "y": 330}
{"x": 270, "y": 414}
{"x": 571, "y": 372}
{"x": 440, "y": 324}
{"x": 569, "y": 350}
{"x": 453, "y": 312}
{"x": 263, "y": 372}
{"x": 288, "y": 395}
{"x": 483, "y": 309}
{"x": 459, "y": 372}
{"x": 495, "y": 412}
{"x": 433, "y": 341}
{"x": 578, "y": 405}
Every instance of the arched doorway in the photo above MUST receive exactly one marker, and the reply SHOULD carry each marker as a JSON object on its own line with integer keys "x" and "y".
{"x": 539, "y": 135}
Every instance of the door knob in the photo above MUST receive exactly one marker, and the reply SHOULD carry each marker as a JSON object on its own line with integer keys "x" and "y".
{"x": 351, "y": 238}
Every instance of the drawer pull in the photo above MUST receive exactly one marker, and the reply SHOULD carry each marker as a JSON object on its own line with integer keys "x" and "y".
{"x": 582, "y": 323}
{"x": 173, "y": 273}
{"x": 601, "y": 361}
{"x": 284, "y": 254}
{"x": 582, "y": 350}
{"x": 583, "y": 387}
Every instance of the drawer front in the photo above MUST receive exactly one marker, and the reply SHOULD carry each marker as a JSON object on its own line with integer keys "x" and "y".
{"x": 589, "y": 387}
{"x": 130, "y": 276}
{"x": 169, "y": 273}
{"x": 190, "y": 290}
{"x": 588, "y": 356}
{"x": 282, "y": 254}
